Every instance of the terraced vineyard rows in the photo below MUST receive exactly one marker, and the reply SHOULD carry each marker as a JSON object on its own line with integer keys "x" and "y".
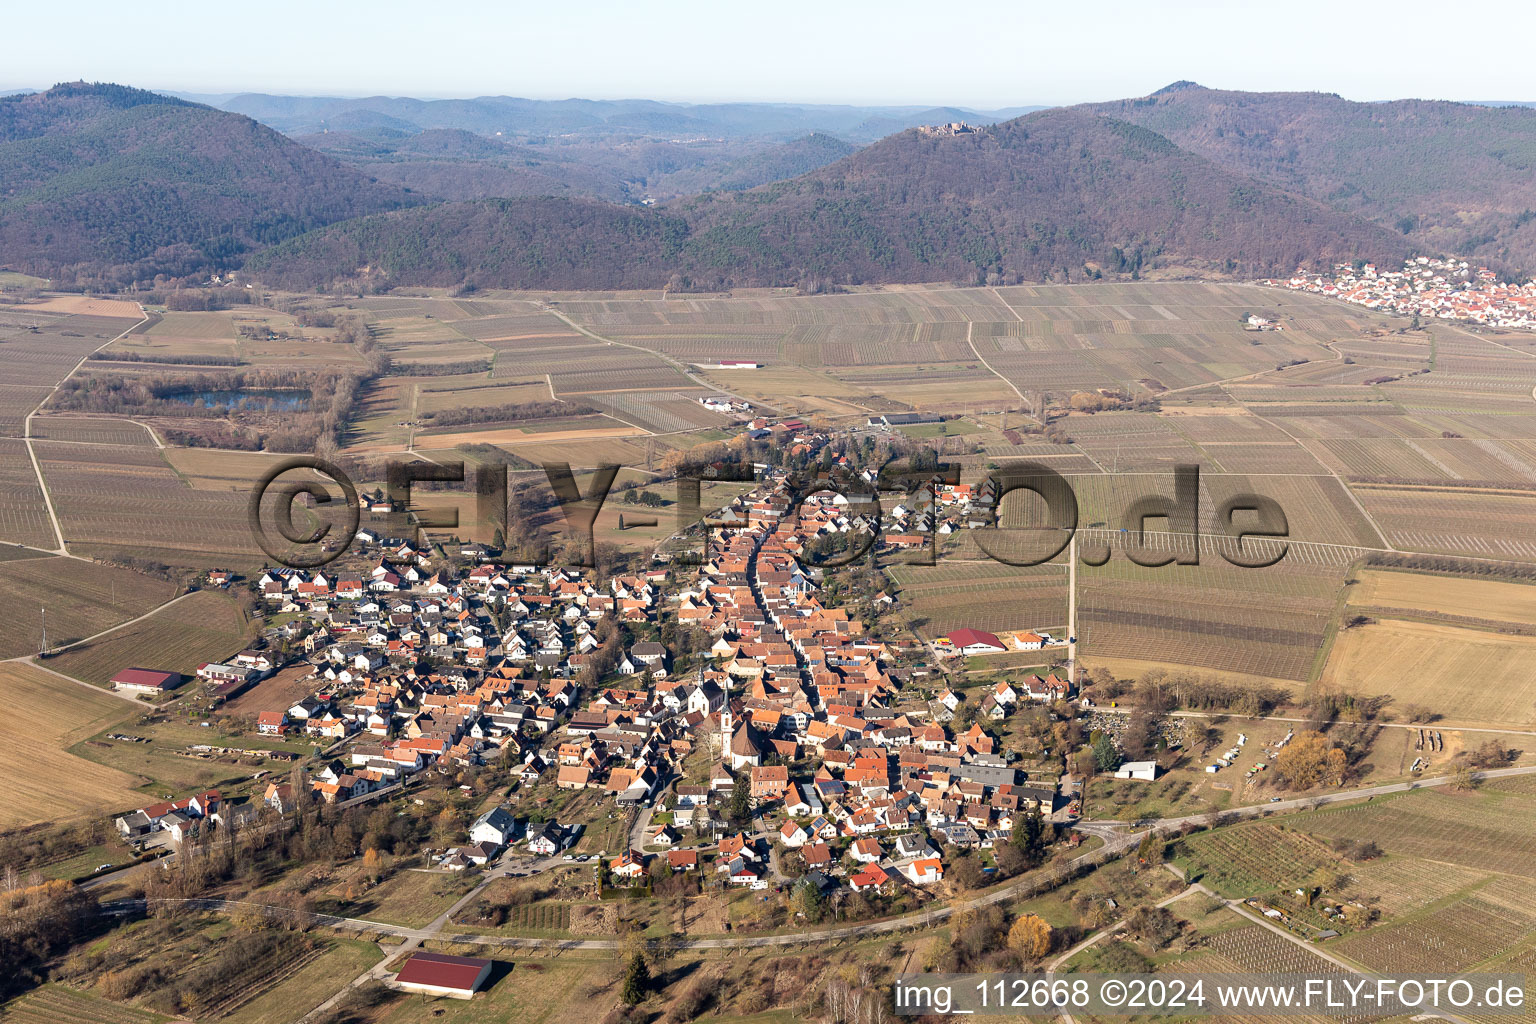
{"x": 1254, "y": 859}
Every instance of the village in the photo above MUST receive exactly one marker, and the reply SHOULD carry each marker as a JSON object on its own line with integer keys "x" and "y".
{"x": 1427, "y": 287}
{"x": 737, "y": 724}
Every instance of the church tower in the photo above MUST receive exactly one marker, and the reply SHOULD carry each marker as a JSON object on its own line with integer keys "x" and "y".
{"x": 725, "y": 716}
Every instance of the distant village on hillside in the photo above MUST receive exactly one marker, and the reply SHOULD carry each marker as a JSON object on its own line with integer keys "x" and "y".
{"x": 1445, "y": 289}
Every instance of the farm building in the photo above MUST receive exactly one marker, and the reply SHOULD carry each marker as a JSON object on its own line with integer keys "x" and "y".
{"x": 903, "y": 419}
{"x": 439, "y": 974}
{"x": 975, "y": 641}
{"x": 1145, "y": 770}
{"x": 216, "y": 673}
{"x": 146, "y": 680}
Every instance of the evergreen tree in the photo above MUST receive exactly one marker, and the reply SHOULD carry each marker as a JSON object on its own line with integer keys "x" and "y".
{"x": 740, "y": 807}
{"x": 637, "y": 981}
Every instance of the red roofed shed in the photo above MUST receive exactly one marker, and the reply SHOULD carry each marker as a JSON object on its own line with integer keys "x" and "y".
{"x": 443, "y": 975}
{"x": 146, "y": 680}
{"x": 975, "y": 641}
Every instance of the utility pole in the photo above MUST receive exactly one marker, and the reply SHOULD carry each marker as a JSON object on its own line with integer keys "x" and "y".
{"x": 1072, "y": 611}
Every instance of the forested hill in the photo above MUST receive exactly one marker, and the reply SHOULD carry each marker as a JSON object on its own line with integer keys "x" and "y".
{"x": 1455, "y": 177}
{"x": 119, "y": 184}
{"x": 1056, "y": 194}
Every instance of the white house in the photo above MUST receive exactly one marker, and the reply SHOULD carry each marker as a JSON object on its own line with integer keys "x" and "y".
{"x": 494, "y": 826}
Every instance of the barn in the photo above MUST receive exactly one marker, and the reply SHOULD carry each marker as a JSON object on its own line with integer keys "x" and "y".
{"x": 146, "y": 680}
{"x": 439, "y": 974}
{"x": 975, "y": 641}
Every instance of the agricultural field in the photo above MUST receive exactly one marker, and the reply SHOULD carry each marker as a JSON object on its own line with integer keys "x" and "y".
{"x": 23, "y": 514}
{"x": 203, "y": 626}
{"x": 412, "y": 898}
{"x": 591, "y": 427}
{"x": 184, "y": 334}
{"x": 44, "y": 781}
{"x": 305, "y": 983}
{"x": 58, "y": 1004}
{"x": 92, "y": 430}
{"x": 1463, "y": 675}
{"x": 1490, "y": 600}
{"x": 1437, "y": 825}
{"x": 127, "y": 499}
{"x": 1254, "y": 859}
{"x": 160, "y": 761}
{"x": 203, "y": 469}
{"x": 1257, "y": 622}
{"x": 991, "y": 596}
{"x": 82, "y": 598}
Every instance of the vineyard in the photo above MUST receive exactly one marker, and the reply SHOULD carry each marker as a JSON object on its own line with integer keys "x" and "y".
{"x": 23, "y": 515}
{"x": 206, "y": 626}
{"x": 82, "y": 598}
{"x": 55, "y": 1004}
{"x": 1400, "y": 885}
{"x": 663, "y": 412}
{"x": 1257, "y": 949}
{"x": 1262, "y": 622}
{"x": 1254, "y": 859}
{"x": 128, "y": 499}
{"x": 1438, "y": 460}
{"x": 544, "y": 917}
{"x": 91, "y": 430}
{"x": 1447, "y": 939}
{"x": 1439, "y": 826}
{"x": 1484, "y": 524}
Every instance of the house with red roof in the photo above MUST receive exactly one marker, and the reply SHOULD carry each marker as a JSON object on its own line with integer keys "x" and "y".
{"x": 870, "y": 876}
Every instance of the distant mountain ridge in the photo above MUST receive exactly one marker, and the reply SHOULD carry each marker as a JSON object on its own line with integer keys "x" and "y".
{"x": 116, "y": 185}
{"x": 128, "y": 183}
{"x": 1455, "y": 177}
{"x": 516, "y": 116}
{"x": 1055, "y": 194}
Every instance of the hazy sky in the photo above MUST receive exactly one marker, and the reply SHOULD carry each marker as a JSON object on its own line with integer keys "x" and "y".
{"x": 980, "y": 54}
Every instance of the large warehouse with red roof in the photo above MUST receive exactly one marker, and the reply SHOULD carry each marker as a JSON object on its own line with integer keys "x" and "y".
{"x": 439, "y": 974}
{"x": 145, "y": 680}
{"x": 975, "y": 641}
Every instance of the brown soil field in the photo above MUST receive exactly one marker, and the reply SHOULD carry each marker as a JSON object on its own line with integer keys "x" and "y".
{"x": 516, "y": 435}
{"x": 1464, "y": 675}
{"x": 88, "y": 306}
{"x": 46, "y": 716}
{"x": 1126, "y": 668}
{"x": 279, "y": 693}
{"x": 1483, "y": 599}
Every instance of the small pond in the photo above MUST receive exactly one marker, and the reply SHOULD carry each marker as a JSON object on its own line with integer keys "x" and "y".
{"x": 255, "y": 399}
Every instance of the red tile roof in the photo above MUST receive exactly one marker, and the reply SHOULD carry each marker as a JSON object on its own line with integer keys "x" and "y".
{"x": 442, "y": 971}
{"x": 147, "y": 677}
